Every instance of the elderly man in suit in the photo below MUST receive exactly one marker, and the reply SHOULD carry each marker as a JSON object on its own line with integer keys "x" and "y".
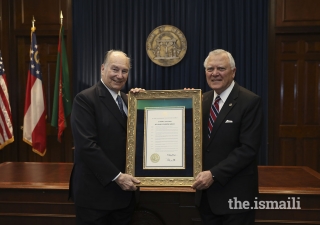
{"x": 102, "y": 192}
{"x": 232, "y": 123}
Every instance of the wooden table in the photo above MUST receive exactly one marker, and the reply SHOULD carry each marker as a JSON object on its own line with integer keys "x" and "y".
{"x": 37, "y": 193}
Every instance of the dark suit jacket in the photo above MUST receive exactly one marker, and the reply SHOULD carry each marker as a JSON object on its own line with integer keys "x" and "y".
{"x": 100, "y": 134}
{"x": 231, "y": 152}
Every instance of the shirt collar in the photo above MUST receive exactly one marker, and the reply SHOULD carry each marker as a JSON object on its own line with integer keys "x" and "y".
{"x": 225, "y": 94}
{"x": 113, "y": 93}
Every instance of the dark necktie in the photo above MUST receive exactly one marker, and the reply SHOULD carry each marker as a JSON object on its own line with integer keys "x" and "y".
{"x": 119, "y": 100}
{"x": 214, "y": 111}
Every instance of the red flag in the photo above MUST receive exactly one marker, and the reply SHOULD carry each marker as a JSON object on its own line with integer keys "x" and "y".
{"x": 6, "y": 130}
{"x": 62, "y": 100}
{"x": 34, "y": 122}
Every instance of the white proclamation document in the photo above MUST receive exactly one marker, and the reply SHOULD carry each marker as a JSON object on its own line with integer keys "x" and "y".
{"x": 164, "y": 142}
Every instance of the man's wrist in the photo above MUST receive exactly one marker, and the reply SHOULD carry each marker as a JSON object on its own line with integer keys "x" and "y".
{"x": 116, "y": 177}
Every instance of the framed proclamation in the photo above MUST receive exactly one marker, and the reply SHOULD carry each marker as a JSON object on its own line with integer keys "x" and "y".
{"x": 164, "y": 137}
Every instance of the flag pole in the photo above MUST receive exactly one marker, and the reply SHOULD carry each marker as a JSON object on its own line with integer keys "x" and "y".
{"x": 61, "y": 24}
{"x": 33, "y": 29}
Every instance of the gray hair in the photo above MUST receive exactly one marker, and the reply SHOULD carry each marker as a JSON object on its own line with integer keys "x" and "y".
{"x": 218, "y": 52}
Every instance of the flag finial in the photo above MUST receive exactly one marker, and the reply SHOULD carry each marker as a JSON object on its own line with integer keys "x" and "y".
{"x": 33, "y": 28}
{"x": 61, "y": 18}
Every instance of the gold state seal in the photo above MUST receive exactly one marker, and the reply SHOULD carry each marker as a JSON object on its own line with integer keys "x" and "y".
{"x": 166, "y": 45}
{"x": 155, "y": 158}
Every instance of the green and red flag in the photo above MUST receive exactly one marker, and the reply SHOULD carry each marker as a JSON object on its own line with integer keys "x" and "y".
{"x": 62, "y": 101}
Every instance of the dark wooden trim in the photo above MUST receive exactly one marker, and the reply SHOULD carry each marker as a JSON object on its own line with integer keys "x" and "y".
{"x": 271, "y": 86}
{"x": 33, "y": 191}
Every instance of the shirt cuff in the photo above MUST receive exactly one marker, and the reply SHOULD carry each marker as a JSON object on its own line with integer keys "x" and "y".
{"x": 116, "y": 177}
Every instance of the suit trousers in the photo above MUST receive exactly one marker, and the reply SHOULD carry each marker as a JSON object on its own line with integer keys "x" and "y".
{"x": 88, "y": 216}
{"x": 209, "y": 218}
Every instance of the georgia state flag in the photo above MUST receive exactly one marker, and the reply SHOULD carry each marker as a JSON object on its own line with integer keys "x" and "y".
{"x": 34, "y": 122}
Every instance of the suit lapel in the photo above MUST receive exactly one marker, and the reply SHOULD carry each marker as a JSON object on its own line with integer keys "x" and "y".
{"x": 207, "y": 101}
{"x": 206, "y": 104}
{"x": 124, "y": 98}
{"x": 227, "y": 107}
{"x": 110, "y": 104}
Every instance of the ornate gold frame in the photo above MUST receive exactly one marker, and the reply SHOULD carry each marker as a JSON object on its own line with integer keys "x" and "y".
{"x": 195, "y": 95}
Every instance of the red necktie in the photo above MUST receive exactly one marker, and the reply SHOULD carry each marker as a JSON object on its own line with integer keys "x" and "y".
{"x": 214, "y": 111}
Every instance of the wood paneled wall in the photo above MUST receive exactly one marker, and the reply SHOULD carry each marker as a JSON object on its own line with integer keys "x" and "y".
{"x": 294, "y": 83}
{"x": 294, "y": 76}
{"x": 16, "y": 17}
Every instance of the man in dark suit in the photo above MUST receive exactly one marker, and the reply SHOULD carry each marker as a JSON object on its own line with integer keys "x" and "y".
{"x": 228, "y": 185}
{"x": 102, "y": 192}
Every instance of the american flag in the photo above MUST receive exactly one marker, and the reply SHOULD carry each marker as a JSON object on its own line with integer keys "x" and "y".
{"x": 6, "y": 130}
{"x": 34, "y": 122}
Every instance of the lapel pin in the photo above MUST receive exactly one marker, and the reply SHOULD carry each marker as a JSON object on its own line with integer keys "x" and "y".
{"x": 230, "y": 104}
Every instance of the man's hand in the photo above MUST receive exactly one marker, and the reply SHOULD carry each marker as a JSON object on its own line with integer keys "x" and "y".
{"x": 136, "y": 90}
{"x": 127, "y": 182}
{"x": 203, "y": 181}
